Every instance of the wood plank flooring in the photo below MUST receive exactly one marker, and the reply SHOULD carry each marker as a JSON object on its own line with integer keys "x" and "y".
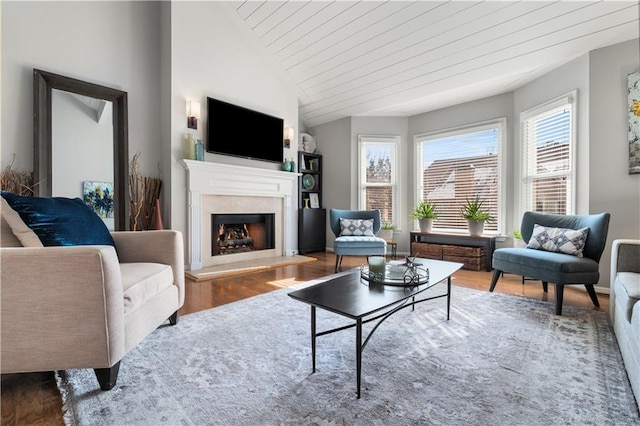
{"x": 34, "y": 399}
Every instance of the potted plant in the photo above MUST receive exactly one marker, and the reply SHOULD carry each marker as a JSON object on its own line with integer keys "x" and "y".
{"x": 476, "y": 216}
{"x": 518, "y": 242}
{"x": 425, "y": 213}
{"x": 386, "y": 231}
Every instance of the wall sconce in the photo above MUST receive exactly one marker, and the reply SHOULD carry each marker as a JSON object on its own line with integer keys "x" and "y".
{"x": 193, "y": 113}
{"x": 288, "y": 136}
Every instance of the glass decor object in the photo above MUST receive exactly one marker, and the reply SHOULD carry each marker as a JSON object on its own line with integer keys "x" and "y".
{"x": 308, "y": 181}
{"x": 377, "y": 268}
{"x": 190, "y": 147}
{"x": 199, "y": 150}
{"x": 401, "y": 274}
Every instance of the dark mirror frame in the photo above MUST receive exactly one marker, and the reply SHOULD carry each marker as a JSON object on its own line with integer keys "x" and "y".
{"x": 43, "y": 84}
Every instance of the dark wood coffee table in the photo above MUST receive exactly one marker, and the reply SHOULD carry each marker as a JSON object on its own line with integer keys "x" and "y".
{"x": 353, "y": 297}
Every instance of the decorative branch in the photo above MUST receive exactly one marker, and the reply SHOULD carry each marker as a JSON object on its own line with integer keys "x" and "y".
{"x": 17, "y": 182}
{"x": 143, "y": 193}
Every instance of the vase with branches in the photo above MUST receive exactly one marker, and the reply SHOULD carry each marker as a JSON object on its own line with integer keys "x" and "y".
{"x": 144, "y": 193}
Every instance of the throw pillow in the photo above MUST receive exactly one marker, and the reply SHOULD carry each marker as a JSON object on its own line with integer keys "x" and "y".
{"x": 356, "y": 227}
{"x": 27, "y": 237}
{"x": 58, "y": 221}
{"x": 559, "y": 240}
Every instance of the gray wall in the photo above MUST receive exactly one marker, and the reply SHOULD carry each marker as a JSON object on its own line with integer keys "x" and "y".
{"x": 80, "y": 138}
{"x": 603, "y": 182}
{"x": 571, "y": 76}
{"x": 494, "y": 107}
{"x": 611, "y": 187}
{"x": 114, "y": 44}
{"x": 161, "y": 53}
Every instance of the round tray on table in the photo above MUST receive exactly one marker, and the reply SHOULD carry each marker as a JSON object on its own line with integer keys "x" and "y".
{"x": 399, "y": 275}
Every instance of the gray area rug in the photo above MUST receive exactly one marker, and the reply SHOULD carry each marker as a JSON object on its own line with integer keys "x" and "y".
{"x": 499, "y": 360}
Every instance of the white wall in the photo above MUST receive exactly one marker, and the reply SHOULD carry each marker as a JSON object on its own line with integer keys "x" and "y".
{"x": 213, "y": 54}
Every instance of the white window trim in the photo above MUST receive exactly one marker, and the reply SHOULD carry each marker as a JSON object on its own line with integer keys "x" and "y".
{"x": 380, "y": 139}
{"x": 500, "y": 123}
{"x": 571, "y": 98}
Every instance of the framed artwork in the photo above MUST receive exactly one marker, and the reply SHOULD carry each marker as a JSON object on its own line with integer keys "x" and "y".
{"x": 99, "y": 196}
{"x": 315, "y": 202}
{"x": 633, "y": 84}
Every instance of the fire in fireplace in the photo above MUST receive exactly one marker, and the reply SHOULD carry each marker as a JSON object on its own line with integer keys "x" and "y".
{"x": 241, "y": 233}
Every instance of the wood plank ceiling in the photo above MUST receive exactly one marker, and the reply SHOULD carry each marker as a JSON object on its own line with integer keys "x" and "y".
{"x": 398, "y": 58}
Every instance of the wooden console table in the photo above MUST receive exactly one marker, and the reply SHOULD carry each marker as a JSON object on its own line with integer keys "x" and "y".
{"x": 488, "y": 242}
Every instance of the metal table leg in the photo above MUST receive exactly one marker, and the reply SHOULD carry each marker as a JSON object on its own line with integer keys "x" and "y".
{"x": 313, "y": 337}
{"x": 448, "y": 297}
{"x": 358, "y": 353}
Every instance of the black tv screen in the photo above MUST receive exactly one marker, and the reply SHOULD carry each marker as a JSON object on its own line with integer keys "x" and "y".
{"x": 242, "y": 132}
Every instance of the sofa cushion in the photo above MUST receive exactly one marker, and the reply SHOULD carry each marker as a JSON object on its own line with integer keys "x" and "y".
{"x": 16, "y": 233}
{"x": 356, "y": 227}
{"x": 142, "y": 281}
{"x": 558, "y": 240}
{"x": 58, "y": 221}
{"x": 628, "y": 290}
{"x": 540, "y": 259}
{"x": 360, "y": 246}
{"x": 546, "y": 266}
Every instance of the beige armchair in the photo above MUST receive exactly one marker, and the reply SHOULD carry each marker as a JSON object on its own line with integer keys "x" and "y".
{"x": 87, "y": 306}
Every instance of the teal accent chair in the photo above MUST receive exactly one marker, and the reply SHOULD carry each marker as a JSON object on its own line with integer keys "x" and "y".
{"x": 557, "y": 268}
{"x": 356, "y": 245}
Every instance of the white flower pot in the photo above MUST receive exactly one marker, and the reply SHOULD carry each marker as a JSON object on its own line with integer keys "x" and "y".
{"x": 476, "y": 227}
{"x": 386, "y": 234}
{"x": 425, "y": 225}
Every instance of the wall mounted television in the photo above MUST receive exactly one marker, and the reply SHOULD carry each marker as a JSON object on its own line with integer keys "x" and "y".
{"x": 242, "y": 132}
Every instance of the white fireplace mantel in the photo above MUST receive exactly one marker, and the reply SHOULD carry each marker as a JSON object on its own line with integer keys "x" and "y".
{"x": 205, "y": 178}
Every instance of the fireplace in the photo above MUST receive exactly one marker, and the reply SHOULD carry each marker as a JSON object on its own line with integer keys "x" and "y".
{"x": 241, "y": 233}
{"x": 233, "y": 189}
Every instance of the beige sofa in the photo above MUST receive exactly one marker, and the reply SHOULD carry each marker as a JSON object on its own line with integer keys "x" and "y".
{"x": 625, "y": 306}
{"x": 86, "y": 306}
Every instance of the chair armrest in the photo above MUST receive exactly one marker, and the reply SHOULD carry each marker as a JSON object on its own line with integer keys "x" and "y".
{"x": 165, "y": 246}
{"x": 62, "y": 307}
{"x": 625, "y": 257}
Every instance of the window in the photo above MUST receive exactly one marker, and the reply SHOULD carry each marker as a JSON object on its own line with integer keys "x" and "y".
{"x": 458, "y": 164}
{"x": 378, "y": 175}
{"x": 548, "y": 151}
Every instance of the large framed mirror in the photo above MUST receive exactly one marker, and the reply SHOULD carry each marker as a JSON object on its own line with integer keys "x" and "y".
{"x": 59, "y": 156}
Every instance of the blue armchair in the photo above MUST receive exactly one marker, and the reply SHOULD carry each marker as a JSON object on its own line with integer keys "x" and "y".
{"x": 356, "y": 245}
{"x": 553, "y": 267}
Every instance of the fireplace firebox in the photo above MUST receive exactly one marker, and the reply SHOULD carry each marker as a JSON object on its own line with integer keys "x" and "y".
{"x": 241, "y": 233}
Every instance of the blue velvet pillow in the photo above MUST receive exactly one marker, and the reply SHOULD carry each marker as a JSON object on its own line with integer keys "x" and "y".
{"x": 59, "y": 221}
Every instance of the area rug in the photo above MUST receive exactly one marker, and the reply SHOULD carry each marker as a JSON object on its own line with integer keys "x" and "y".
{"x": 499, "y": 360}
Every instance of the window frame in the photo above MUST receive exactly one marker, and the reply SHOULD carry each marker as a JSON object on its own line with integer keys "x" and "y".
{"x": 363, "y": 142}
{"x": 526, "y": 200}
{"x": 500, "y": 124}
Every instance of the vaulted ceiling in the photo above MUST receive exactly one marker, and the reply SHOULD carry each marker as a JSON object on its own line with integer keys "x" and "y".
{"x": 398, "y": 58}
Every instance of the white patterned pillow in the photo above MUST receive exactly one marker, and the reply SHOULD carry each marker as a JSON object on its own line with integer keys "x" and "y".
{"x": 356, "y": 227}
{"x": 559, "y": 240}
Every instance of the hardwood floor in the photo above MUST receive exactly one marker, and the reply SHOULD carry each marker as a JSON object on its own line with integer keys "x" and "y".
{"x": 33, "y": 398}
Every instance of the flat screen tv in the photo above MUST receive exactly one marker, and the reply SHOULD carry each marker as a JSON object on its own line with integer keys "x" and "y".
{"x": 242, "y": 132}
